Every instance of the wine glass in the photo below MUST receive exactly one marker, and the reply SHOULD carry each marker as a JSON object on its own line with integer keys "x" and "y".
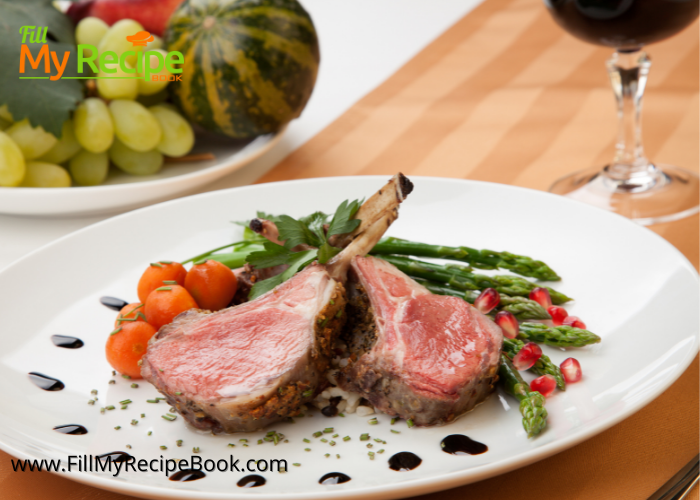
{"x": 631, "y": 185}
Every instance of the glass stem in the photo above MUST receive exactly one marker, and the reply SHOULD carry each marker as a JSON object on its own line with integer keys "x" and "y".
{"x": 628, "y": 75}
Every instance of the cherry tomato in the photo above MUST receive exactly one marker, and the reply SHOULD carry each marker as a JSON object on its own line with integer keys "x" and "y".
{"x": 211, "y": 284}
{"x": 158, "y": 272}
{"x": 126, "y": 347}
{"x": 166, "y": 302}
{"x": 130, "y": 312}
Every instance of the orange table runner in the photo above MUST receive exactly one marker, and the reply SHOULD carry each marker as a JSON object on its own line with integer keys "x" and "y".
{"x": 506, "y": 96}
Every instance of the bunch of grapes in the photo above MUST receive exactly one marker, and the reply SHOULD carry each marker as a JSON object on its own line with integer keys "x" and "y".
{"x": 127, "y": 123}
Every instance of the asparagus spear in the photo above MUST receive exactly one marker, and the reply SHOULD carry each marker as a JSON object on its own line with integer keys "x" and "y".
{"x": 480, "y": 259}
{"x": 520, "y": 307}
{"x": 557, "y": 336}
{"x": 531, "y": 402}
{"x": 461, "y": 278}
{"x": 544, "y": 365}
{"x": 523, "y": 308}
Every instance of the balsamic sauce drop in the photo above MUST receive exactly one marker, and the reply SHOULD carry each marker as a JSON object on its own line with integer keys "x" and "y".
{"x": 251, "y": 481}
{"x": 187, "y": 475}
{"x": 459, "y": 444}
{"x": 404, "y": 461}
{"x": 74, "y": 429}
{"x": 67, "y": 342}
{"x": 330, "y": 411}
{"x": 116, "y": 456}
{"x": 334, "y": 478}
{"x": 113, "y": 303}
{"x": 45, "y": 382}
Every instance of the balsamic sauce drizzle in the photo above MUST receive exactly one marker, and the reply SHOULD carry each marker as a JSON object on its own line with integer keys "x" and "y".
{"x": 251, "y": 481}
{"x": 334, "y": 478}
{"x": 113, "y": 303}
{"x": 459, "y": 444}
{"x": 67, "y": 342}
{"x": 404, "y": 461}
{"x": 117, "y": 456}
{"x": 74, "y": 429}
{"x": 187, "y": 475}
{"x": 45, "y": 382}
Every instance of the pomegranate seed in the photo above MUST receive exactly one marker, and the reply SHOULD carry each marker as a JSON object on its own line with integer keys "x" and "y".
{"x": 527, "y": 356}
{"x": 574, "y": 321}
{"x": 508, "y": 324}
{"x": 488, "y": 299}
{"x": 558, "y": 314}
{"x": 544, "y": 385}
{"x": 571, "y": 369}
{"x": 541, "y": 296}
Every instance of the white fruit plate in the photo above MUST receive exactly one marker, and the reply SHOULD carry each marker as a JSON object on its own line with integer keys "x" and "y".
{"x": 626, "y": 281}
{"x": 124, "y": 192}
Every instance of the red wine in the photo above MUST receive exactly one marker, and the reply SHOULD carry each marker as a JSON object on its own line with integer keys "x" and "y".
{"x": 623, "y": 24}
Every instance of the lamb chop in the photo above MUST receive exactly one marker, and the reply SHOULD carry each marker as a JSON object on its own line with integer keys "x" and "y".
{"x": 245, "y": 367}
{"x": 412, "y": 354}
{"x": 415, "y": 355}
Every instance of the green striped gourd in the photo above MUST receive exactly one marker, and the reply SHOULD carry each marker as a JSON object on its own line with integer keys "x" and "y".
{"x": 250, "y": 65}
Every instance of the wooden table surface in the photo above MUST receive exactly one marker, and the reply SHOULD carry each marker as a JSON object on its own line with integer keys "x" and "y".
{"x": 506, "y": 96}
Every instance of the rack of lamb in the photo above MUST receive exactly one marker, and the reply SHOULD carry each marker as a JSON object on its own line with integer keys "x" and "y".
{"x": 245, "y": 367}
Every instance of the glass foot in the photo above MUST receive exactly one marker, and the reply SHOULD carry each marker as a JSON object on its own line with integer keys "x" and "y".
{"x": 663, "y": 193}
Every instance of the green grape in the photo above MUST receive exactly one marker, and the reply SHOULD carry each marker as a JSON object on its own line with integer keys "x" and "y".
{"x": 66, "y": 146}
{"x": 32, "y": 141}
{"x": 148, "y": 87}
{"x": 12, "y": 167}
{"x": 90, "y": 31}
{"x": 89, "y": 169}
{"x": 93, "y": 125}
{"x": 178, "y": 137}
{"x": 134, "y": 125}
{"x": 115, "y": 39}
{"x": 40, "y": 174}
{"x": 5, "y": 114}
{"x": 135, "y": 162}
{"x": 115, "y": 85}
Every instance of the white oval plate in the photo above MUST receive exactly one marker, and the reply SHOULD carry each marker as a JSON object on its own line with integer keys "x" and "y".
{"x": 124, "y": 192}
{"x": 625, "y": 279}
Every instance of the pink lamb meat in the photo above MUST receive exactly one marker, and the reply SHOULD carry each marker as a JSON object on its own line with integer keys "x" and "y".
{"x": 419, "y": 356}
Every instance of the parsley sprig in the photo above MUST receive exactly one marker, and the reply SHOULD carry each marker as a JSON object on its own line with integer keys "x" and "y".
{"x": 308, "y": 231}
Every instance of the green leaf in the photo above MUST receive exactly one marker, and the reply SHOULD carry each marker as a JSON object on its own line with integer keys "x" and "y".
{"x": 46, "y": 103}
{"x": 294, "y": 232}
{"x": 307, "y": 219}
{"x": 343, "y": 221}
{"x": 297, "y": 261}
{"x": 326, "y": 252}
{"x": 273, "y": 255}
{"x": 315, "y": 222}
{"x": 250, "y": 235}
{"x": 307, "y": 230}
{"x": 264, "y": 286}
